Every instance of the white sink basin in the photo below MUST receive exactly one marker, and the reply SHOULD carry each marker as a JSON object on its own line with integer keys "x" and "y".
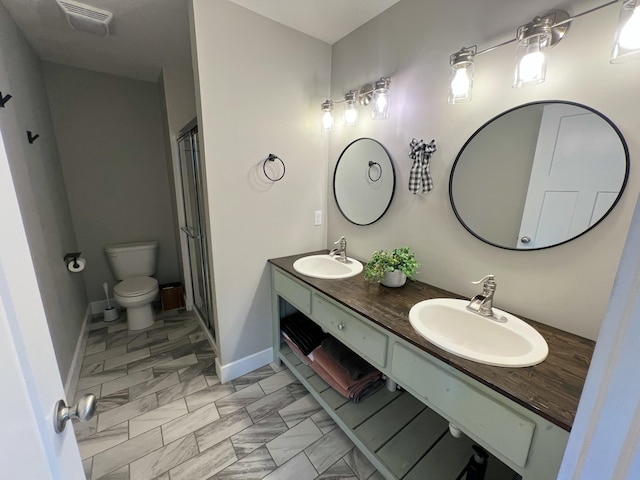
{"x": 327, "y": 267}
{"x": 447, "y": 323}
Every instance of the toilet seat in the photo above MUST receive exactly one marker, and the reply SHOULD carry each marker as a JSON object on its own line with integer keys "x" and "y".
{"x": 136, "y": 286}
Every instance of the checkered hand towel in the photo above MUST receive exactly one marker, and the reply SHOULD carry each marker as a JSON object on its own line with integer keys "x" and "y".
{"x": 420, "y": 175}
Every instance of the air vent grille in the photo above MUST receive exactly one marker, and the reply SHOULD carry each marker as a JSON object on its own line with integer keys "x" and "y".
{"x": 86, "y": 18}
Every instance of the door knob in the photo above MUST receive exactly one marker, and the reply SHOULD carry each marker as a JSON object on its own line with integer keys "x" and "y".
{"x": 525, "y": 240}
{"x": 84, "y": 411}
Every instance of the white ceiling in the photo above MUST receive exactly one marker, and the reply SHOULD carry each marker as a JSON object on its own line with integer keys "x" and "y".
{"x": 149, "y": 34}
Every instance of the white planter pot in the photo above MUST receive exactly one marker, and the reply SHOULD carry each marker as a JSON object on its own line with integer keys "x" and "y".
{"x": 394, "y": 279}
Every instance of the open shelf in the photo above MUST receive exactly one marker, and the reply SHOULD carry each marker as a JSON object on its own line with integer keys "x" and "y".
{"x": 401, "y": 436}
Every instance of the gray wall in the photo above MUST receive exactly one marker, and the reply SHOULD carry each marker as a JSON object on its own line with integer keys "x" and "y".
{"x": 259, "y": 94}
{"x": 40, "y": 187}
{"x": 566, "y": 286}
{"x": 109, "y": 132}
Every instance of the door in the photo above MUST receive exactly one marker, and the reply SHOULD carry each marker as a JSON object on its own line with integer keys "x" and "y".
{"x": 31, "y": 384}
{"x": 560, "y": 204}
{"x": 195, "y": 223}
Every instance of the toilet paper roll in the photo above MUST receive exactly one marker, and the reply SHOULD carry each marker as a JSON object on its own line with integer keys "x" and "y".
{"x": 76, "y": 266}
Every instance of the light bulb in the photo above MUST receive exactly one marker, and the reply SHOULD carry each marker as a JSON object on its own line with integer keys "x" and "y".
{"x": 327, "y": 121}
{"x": 630, "y": 33}
{"x": 461, "y": 75}
{"x": 350, "y": 114}
{"x": 381, "y": 103}
{"x": 460, "y": 82}
{"x": 531, "y": 67}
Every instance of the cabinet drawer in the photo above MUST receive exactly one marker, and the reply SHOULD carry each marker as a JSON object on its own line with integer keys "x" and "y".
{"x": 362, "y": 338}
{"x": 476, "y": 413}
{"x": 295, "y": 293}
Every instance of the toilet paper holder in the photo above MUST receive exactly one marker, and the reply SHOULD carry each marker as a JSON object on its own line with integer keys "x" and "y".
{"x": 72, "y": 257}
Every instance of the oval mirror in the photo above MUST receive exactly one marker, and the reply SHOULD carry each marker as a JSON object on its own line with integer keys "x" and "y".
{"x": 364, "y": 181}
{"x": 539, "y": 175}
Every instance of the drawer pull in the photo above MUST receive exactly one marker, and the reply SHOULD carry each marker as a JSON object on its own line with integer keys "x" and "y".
{"x": 340, "y": 326}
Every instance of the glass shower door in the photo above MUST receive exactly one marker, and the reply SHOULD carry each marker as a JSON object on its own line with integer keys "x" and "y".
{"x": 194, "y": 228}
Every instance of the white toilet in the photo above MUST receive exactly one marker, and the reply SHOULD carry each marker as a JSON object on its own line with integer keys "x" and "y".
{"x": 133, "y": 264}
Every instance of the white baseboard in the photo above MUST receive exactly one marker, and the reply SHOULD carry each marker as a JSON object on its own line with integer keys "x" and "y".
{"x": 244, "y": 365}
{"x": 74, "y": 370}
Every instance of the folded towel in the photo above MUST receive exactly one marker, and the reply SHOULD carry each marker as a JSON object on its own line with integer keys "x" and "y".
{"x": 302, "y": 331}
{"x": 303, "y": 358}
{"x": 357, "y": 394}
{"x": 355, "y": 366}
{"x": 339, "y": 374}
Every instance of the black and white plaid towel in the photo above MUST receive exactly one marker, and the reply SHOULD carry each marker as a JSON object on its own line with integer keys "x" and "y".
{"x": 420, "y": 175}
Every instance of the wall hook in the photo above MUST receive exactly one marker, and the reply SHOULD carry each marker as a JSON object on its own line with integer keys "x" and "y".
{"x": 4, "y": 100}
{"x": 31, "y": 137}
{"x": 272, "y": 158}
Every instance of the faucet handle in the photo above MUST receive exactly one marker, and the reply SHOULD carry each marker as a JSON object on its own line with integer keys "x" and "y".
{"x": 341, "y": 241}
{"x": 489, "y": 284}
{"x": 486, "y": 278}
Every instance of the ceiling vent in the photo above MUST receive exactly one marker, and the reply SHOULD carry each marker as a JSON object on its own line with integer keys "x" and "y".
{"x": 86, "y": 18}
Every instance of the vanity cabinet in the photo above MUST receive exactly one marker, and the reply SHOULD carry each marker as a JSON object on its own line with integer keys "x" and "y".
{"x": 404, "y": 433}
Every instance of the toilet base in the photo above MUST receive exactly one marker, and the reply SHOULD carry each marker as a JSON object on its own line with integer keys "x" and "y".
{"x": 141, "y": 317}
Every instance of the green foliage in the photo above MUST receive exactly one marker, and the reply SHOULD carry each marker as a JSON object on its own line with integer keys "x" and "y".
{"x": 382, "y": 261}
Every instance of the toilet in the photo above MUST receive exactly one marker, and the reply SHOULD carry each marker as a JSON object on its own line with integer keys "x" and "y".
{"x": 133, "y": 264}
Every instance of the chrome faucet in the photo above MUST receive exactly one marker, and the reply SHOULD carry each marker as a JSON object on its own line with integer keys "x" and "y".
{"x": 483, "y": 304}
{"x": 341, "y": 250}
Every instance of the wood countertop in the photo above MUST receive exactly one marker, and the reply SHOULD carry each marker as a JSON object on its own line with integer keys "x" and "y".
{"x": 550, "y": 389}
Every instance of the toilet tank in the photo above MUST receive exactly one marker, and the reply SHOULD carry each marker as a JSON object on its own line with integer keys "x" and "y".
{"x": 134, "y": 259}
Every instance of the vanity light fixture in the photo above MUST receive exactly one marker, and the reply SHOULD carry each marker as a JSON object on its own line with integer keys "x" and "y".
{"x": 627, "y": 39}
{"x": 534, "y": 40}
{"x": 377, "y": 94}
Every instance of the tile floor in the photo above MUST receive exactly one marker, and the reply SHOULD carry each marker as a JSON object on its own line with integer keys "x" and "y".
{"x": 163, "y": 413}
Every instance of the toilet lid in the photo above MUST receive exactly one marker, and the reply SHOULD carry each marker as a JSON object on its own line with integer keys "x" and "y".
{"x": 132, "y": 287}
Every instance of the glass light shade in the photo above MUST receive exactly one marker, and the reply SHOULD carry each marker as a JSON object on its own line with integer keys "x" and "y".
{"x": 350, "y": 111}
{"x": 327, "y": 116}
{"x": 460, "y": 82}
{"x": 627, "y": 39}
{"x": 531, "y": 62}
{"x": 380, "y": 100}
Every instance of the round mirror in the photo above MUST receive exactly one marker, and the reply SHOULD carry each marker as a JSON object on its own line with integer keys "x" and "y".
{"x": 539, "y": 175}
{"x": 364, "y": 181}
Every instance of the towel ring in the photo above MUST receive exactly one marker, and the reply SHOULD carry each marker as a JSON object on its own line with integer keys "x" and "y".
{"x": 272, "y": 158}
{"x": 371, "y": 164}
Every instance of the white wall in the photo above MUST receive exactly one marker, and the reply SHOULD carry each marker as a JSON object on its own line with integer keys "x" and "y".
{"x": 37, "y": 176}
{"x": 567, "y": 286}
{"x": 109, "y": 132}
{"x": 260, "y": 88}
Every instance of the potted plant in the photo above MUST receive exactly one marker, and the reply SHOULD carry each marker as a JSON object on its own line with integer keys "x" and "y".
{"x": 391, "y": 269}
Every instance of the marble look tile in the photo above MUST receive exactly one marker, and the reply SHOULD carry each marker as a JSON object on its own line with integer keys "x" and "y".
{"x": 126, "y": 381}
{"x": 196, "y": 337}
{"x": 164, "y": 476}
{"x": 376, "y": 476}
{"x": 257, "y": 435}
{"x": 323, "y": 421}
{"x": 214, "y": 380}
{"x": 86, "y": 466}
{"x": 104, "y": 378}
{"x": 252, "y": 377}
{"x": 293, "y": 441}
{"x": 112, "y": 400}
{"x": 91, "y": 369}
{"x": 299, "y": 467}
{"x": 277, "y": 368}
{"x": 239, "y": 399}
{"x": 206, "y": 464}
{"x": 100, "y": 356}
{"x": 153, "y": 385}
{"x": 189, "y": 423}
{"x": 338, "y": 471}
{"x": 96, "y": 390}
{"x": 177, "y": 364}
{"x": 208, "y": 395}
{"x": 126, "y": 358}
{"x": 203, "y": 367}
{"x": 149, "y": 362}
{"x": 270, "y": 404}
{"x": 99, "y": 324}
{"x": 324, "y": 451}
{"x": 181, "y": 390}
{"x": 252, "y": 467}
{"x": 164, "y": 459}
{"x": 125, "y": 453}
{"x": 156, "y": 417}
{"x": 119, "y": 474}
{"x": 117, "y": 327}
{"x": 168, "y": 345}
{"x": 297, "y": 390}
{"x": 277, "y": 381}
{"x": 359, "y": 464}
{"x": 125, "y": 337}
{"x": 99, "y": 442}
{"x": 185, "y": 331}
{"x": 222, "y": 429}
{"x": 202, "y": 349}
{"x": 149, "y": 341}
{"x": 97, "y": 333}
{"x": 127, "y": 411}
{"x": 85, "y": 429}
{"x": 95, "y": 348}
{"x": 299, "y": 410}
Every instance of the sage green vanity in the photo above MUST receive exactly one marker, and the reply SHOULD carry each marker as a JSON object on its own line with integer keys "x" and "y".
{"x": 522, "y": 416}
